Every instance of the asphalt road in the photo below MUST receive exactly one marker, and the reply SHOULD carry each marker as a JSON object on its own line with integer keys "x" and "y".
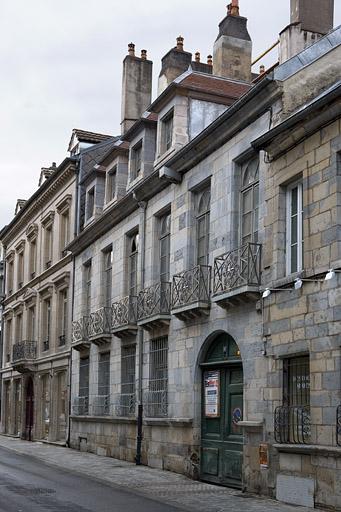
{"x": 28, "y": 485}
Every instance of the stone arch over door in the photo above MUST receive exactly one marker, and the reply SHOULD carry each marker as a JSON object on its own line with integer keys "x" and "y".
{"x": 221, "y": 369}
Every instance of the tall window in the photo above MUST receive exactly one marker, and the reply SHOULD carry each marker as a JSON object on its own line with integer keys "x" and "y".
{"x": 294, "y": 228}
{"x": 203, "y": 227}
{"x": 64, "y": 230}
{"x": 250, "y": 202}
{"x": 84, "y": 377}
{"x": 87, "y": 287}
{"x": 63, "y": 316}
{"x": 165, "y": 225}
{"x": 132, "y": 264}
{"x": 33, "y": 258}
{"x": 20, "y": 268}
{"x": 136, "y": 161}
{"x": 48, "y": 245}
{"x": 90, "y": 203}
{"x": 104, "y": 374}
{"x": 18, "y": 328}
{"x": 296, "y": 381}
{"x": 10, "y": 276}
{"x": 167, "y": 132}
{"x": 45, "y": 382}
{"x": 128, "y": 365}
{"x": 108, "y": 260}
{"x": 158, "y": 377}
{"x": 8, "y": 338}
{"x": 31, "y": 331}
{"x": 111, "y": 184}
{"x": 46, "y": 324}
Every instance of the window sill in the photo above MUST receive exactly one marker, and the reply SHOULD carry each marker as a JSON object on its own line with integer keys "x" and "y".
{"x": 309, "y": 449}
{"x": 168, "y": 422}
{"x": 103, "y": 419}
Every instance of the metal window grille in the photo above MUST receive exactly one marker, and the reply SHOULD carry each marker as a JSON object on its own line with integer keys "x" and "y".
{"x": 156, "y": 399}
{"x": 84, "y": 377}
{"x": 127, "y": 400}
{"x": 104, "y": 374}
{"x": 338, "y": 425}
{"x": 296, "y": 381}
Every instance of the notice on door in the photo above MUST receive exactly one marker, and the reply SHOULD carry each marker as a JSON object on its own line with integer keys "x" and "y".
{"x": 212, "y": 394}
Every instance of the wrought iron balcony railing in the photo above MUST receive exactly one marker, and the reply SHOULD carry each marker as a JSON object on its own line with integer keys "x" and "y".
{"x": 338, "y": 425}
{"x": 24, "y": 351}
{"x": 100, "y": 405}
{"x": 292, "y": 425}
{"x": 156, "y": 404}
{"x": 126, "y": 406}
{"x": 191, "y": 286}
{"x": 100, "y": 323}
{"x": 241, "y": 267}
{"x": 124, "y": 312}
{"x": 80, "y": 330}
{"x": 80, "y": 406}
{"x": 155, "y": 300}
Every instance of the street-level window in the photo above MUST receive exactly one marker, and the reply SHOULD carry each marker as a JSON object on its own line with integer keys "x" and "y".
{"x": 294, "y": 228}
{"x": 158, "y": 377}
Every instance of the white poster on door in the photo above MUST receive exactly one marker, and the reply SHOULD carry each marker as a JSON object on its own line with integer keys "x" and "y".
{"x": 212, "y": 393}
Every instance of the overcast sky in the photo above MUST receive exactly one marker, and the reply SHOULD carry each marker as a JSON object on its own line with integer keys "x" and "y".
{"x": 61, "y": 65}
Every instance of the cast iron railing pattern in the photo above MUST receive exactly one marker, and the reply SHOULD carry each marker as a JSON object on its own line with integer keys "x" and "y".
{"x": 100, "y": 322}
{"x": 124, "y": 312}
{"x": 292, "y": 425}
{"x": 155, "y": 404}
{"x": 80, "y": 330}
{"x": 191, "y": 286}
{"x": 126, "y": 406}
{"x": 338, "y": 425}
{"x": 241, "y": 267}
{"x": 24, "y": 350}
{"x": 100, "y": 405}
{"x": 155, "y": 300}
{"x": 80, "y": 406}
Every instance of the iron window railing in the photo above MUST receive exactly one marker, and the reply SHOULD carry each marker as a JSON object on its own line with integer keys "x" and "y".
{"x": 80, "y": 330}
{"x": 100, "y": 322}
{"x": 81, "y": 406}
{"x": 241, "y": 267}
{"x": 191, "y": 286}
{"x": 155, "y": 300}
{"x": 292, "y": 425}
{"x": 24, "y": 350}
{"x": 100, "y": 405}
{"x": 156, "y": 404}
{"x": 338, "y": 425}
{"x": 124, "y": 312}
{"x": 126, "y": 406}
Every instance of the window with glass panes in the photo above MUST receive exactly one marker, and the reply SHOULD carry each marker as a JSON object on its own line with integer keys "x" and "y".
{"x": 84, "y": 376}
{"x": 46, "y": 324}
{"x": 32, "y": 324}
{"x": 104, "y": 374}
{"x": 20, "y": 269}
{"x": 296, "y": 381}
{"x": 136, "y": 161}
{"x": 132, "y": 264}
{"x": 294, "y": 228}
{"x": 158, "y": 364}
{"x": 64, "y": 230}
{"x": 90, "y": 204}
{"x": 165, "y": 227}
{"x": 167, "y": 132}
{"x": 111, "y": 184}
{"x": 18, "y": 328}
{"x": 250, "y": 202}
{"x": 108, "y": 260}
{"x": 33, "y": 258}
{"x": 87, "y": 287}
{"x": 63, "y": 316}
{"x": 128, "y": 368}
{"x": 203, "y": 226}
{"x": 48, "y": 245}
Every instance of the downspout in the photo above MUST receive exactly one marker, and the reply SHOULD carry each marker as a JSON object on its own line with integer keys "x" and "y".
{"x": 75, "y": 233}
{"x": 2, "y": 298}
{"x": 143, "y": 208}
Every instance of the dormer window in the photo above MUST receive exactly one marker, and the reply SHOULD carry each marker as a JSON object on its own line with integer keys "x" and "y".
{"x": 136, "y": 160}
{"x": 111, "y": 184}
{"x": 90, "y": 203}
{"x": 167, "y": 132}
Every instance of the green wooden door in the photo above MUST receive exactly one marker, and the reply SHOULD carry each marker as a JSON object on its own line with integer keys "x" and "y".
{"x": 221, "y": 437}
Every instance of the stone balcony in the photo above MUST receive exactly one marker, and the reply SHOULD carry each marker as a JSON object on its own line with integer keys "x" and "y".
{"x": 191, "y": 293}
{"x": 24, "y": 356}
{"x": 154, "y": 306}
{"x": 124, "y": 317}
{"x": 100, "y": 326}
{"x": 237, "y": 276}
{"x": 80, "y": 334}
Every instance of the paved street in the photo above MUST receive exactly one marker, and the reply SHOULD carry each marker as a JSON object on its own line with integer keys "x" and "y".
{"x": 36, "y": 477}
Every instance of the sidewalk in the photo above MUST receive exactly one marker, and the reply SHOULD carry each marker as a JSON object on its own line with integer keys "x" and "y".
{"x": 159, "y": 485}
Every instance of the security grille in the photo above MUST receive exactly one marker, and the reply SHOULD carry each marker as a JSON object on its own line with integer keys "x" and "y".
{"x": 156, "y": 398}
{"x": 338, "y": 426}
{"x": 127, "y": 399}
{"x": 296, "y": 381}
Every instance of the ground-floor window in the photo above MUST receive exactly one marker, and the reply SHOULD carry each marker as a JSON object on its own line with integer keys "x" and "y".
{"x": 157, "y": 397}
{"x": 127, "y": 402}
{"x": 62, "y": 405}
{"x": 45, "y": 383}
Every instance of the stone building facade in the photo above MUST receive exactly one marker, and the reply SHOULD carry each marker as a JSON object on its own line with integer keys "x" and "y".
{"x": 37, "y": 309}
{"x": 205, "y": 332}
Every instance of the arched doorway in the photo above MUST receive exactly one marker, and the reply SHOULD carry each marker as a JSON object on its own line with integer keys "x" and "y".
{"x": 29, "y": 410}
{"x": 222, "y": 409}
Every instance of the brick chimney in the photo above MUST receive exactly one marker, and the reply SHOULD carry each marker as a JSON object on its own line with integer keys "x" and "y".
{"x": 136, "y": 87}
{"x": 309, "y": 20}
{"x": 233, "y": 47}
{"x": 174, "y": 63}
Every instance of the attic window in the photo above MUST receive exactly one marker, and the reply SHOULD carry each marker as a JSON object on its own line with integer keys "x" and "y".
{"x": 167, "y": 132}
{"x": 136, "y": 160}
{"x": 90, "y": 203}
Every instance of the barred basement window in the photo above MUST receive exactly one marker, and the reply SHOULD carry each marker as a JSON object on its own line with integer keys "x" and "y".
{"x": 157, "y": 397}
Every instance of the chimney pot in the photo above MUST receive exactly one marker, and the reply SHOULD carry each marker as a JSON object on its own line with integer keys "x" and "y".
{"x": 180, "y": 43}
{"x": 233, "y": 8}
{"x": 210, "y": 60}
{"x": 131, "y": 49}
{"x": 261, "y": 69}
{"x": 197, "y": 57}
{"x": 144, "y": 54}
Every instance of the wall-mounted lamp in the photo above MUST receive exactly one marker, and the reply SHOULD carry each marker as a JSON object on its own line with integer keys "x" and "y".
{"x": 267, "y": 291}
{"x": 331, "y": 274}
{"x": 299, "y": 282}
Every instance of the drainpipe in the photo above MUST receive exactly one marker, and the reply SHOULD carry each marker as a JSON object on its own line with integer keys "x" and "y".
{"x": 75, "y": 233}
{"x": 2, "y": 298}
{"x": 142, "y": 236}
